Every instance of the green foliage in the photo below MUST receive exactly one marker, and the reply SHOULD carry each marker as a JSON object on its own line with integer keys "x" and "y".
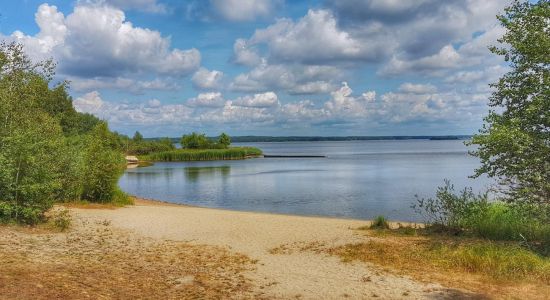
{"x": 45, "y": 152}
{"x": 448, "y": 208}
{"x": 224, "y": 140}
{"x": 469, "y": 214}
{"x": 196, "y": 141}
{"x": 31, "y": 140}
{"x": 514, "y": 144}
{"x": 206, "y": 154}
{"x": 102, "y": 166}
{"x": 137, "y": 137}
{"x": 143, "y": 147}
{"x": 380, "y": 222}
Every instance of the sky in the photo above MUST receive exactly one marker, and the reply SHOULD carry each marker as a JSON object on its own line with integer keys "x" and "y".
{"x": 269, "y": 67}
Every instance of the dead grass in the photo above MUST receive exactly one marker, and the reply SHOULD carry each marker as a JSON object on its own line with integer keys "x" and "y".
{"x": 95, "y": 261}
{"x": 475, "y": 265}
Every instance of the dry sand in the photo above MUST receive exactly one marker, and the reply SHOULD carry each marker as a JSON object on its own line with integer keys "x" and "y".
{"x": 287, "y": 251}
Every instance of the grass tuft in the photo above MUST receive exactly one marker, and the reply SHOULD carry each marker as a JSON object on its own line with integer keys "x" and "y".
{"x": 61, "y": 219}
{"x": 380, "y": 222}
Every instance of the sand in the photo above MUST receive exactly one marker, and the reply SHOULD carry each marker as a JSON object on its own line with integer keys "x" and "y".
{"x": 286, "y": 251}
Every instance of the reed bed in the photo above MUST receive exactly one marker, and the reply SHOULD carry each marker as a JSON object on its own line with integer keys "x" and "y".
{"x": 204, "y": 154}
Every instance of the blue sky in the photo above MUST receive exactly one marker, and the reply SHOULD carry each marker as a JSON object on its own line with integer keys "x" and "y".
{"x": 269, "y": 67}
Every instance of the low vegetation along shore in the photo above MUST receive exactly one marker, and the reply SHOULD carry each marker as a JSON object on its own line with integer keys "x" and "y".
{"x": 203, "y": 154}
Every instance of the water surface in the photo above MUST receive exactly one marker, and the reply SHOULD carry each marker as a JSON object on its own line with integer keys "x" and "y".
{"x": 357, "y": 179}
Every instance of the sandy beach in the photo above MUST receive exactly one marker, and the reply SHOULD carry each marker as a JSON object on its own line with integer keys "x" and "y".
{"x": 159, "y": 250}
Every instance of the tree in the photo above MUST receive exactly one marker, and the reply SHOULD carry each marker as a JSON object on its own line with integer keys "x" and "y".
{"x": 224, "y": 140}
{"x": 137, "y": 137}
{"x": 102, "y": 166}
{"x": 31, "y": 140}
{"x": 514, "y": 143}
{"x": 195, "y": 141}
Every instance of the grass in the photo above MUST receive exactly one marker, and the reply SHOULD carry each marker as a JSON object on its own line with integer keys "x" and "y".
{"x": 487, "y": 267}
{"x": 204, "y": 154}
{"x": 380, "y": 222}
{"x": 490, "y": 259}
{"x": 484, "y": 255}
{"x": 499, "y": 221}
{"x": 61, "y": 219}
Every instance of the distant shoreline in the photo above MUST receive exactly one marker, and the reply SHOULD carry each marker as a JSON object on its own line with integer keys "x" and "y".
{"x": 267, "y": 139}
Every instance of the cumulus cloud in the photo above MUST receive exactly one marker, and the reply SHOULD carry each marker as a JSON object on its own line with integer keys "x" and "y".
{"x": 204, "y": 79}
{"x": 412, "y": 88}
{"x": 89, "y": 103}
{"x": 343, "y": 103}
{"x": 244, "y": 10}
{"x": 96, "y": 40}
{"x": 410, "y": 102}
{"x": 122, "y": 84}
{"x": 314, "y": 38}
{"x": 294, "y": 79}
{"x": 243, "y": 54}
{"x": 426, "y": 36}
{"x": 268, "y": 99}
{"x": 446, "y": 58}
{"x": 207, "y": 100}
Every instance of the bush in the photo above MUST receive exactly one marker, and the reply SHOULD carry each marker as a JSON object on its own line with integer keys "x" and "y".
{"x": 102, "y": 167}
{"x": 380, "y": 222}
{"x": 195, "y": 141}
{"x": 467, "y": 213}
{"x": 449, "y": 209}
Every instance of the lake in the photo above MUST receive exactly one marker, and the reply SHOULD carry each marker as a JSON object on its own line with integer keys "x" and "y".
{"x": 357, "y": 179}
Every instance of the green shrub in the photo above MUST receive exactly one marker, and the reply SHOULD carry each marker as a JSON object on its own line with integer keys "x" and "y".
{"x": 102, "y": 167}
{"x": 380, "y": 222}
{"x": 448, "y": 208}
{"x": 470, "y": 214}
{"x": 120, "y": 198}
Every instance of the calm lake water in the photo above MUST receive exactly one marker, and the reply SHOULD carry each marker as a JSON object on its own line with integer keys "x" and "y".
{"x": 358, "y": 179}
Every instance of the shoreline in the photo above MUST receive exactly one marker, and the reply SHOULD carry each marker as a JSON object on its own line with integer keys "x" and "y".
{"x": 155, "y": 202}
{"x": 158, "y": 249}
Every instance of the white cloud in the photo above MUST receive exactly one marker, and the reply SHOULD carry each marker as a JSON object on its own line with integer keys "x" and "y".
{"x": 268, "y": 99}
{"x": 446, "y": 58}
{"x": 89, "y": 103}
{"x": 122, "y": 84}
{"x": 207, "y": 100}
{"x": 96, "y": 40}
{"x": 244, "y": 55}
{"x": 412, "y": 88}
{"x": 205, "y": 79}
{"x": 294, "y": 79}
{"x": 342, "y": 103}
{"x": 314, "y": 38}
{"x": 244, "y": 10}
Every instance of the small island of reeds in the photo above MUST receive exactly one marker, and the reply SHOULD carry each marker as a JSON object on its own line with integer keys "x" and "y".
{"x": 203, "y": 154}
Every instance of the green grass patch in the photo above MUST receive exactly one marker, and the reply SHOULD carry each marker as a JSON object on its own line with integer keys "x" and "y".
{"x": 204, "y": 154}
{"x": 493, "y": 260}
{"x": 500, "y": 261}
{"x": 380, "y": 222}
